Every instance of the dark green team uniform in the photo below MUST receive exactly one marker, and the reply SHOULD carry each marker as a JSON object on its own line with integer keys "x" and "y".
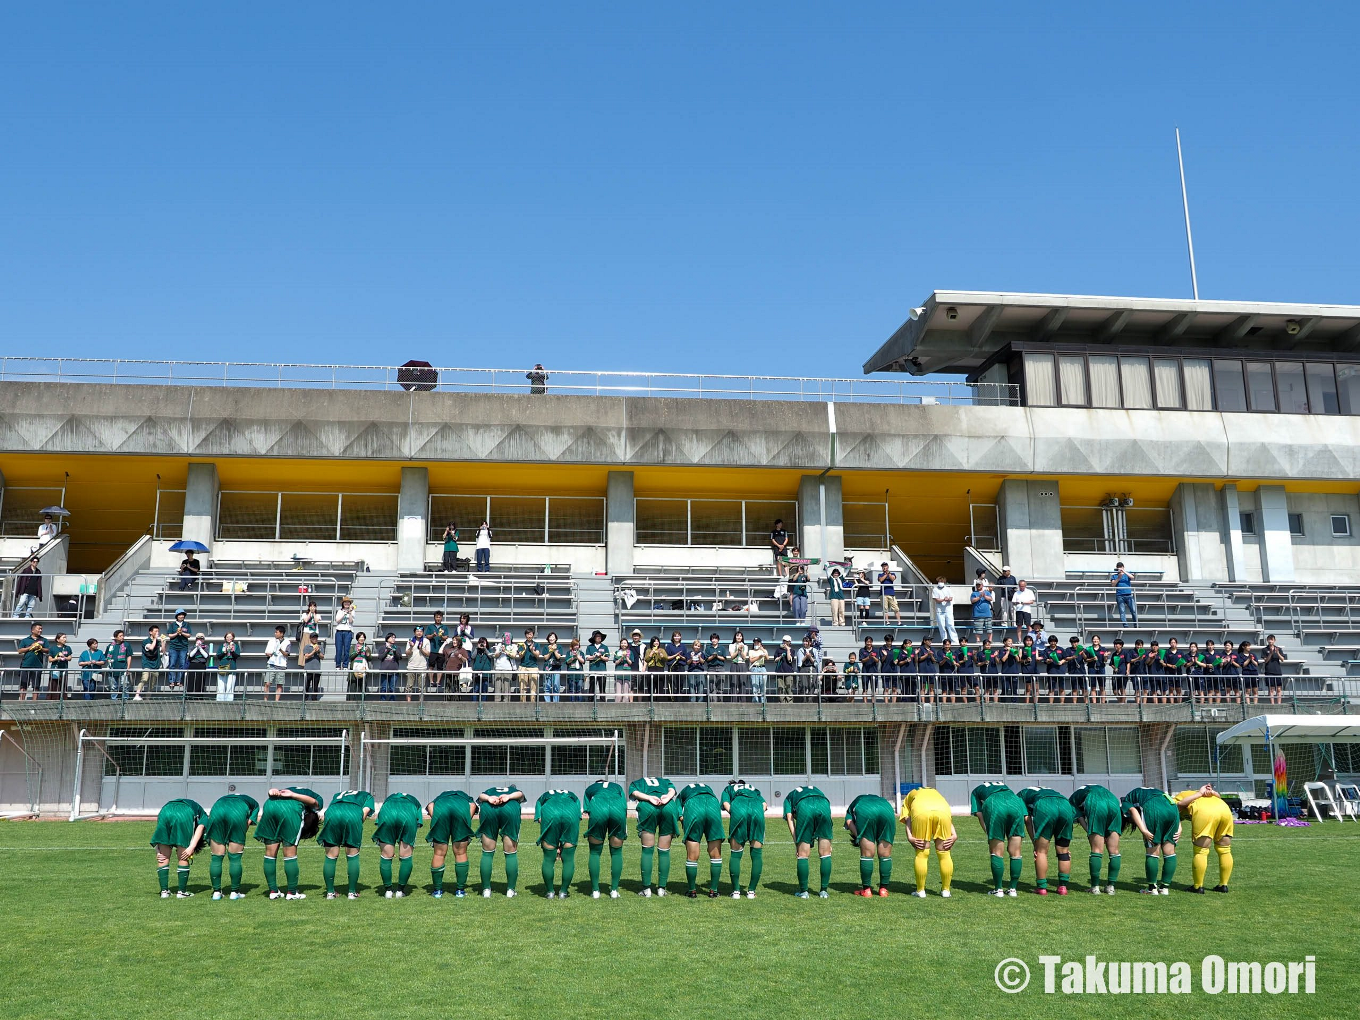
{"x": 176, "y": 823}
{"x": 1050, "y": 813}
{"x": 1160, "y": 814}
{"x": 745, "y": 813}
{"x": 281, "y": 818}
{"x": 607, "y": 805}
{"x": 558, "y": 813}
{"x": 499, "y": 821}
{"x": 874, "y": 818}
{"x": 344, "y": 825}
{"x": 700, "y": 813}
{"x": 1003, "y": 813}
{"x": 401, "y": 815}
{"x": 811, "y": 814}
{"x": 450, "y": 818}
{"x": 1098, "y": 809}
{"x": 661, "y": 821}
{"x": 230, "y": 818}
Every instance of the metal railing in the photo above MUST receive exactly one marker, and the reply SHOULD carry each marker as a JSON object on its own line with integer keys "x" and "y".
{"x": 508, "y": 380}
{"x": 280, "y": 591}
{"x": 1167, "y": 609}
{"x": 984, "y": 527}
{"x": 1118, "y": 529}
{"x": 168, "y": 522}
{"x": 518, "y": 520}
{"x": 488, "y": 601}
{"x": 306, "y": 516}
{"x": 707, "y": 602}
{"x": 725, "y": 523}
{"x": 1323, "y": 612}
{"x": 21, "y": 508}
{"x": 865, "y": 525}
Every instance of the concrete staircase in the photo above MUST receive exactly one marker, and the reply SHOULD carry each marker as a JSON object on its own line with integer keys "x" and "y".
{"x": 595, "y": 608}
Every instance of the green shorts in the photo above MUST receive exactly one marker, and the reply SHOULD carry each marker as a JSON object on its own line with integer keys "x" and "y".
{"x": 1162, "y": 819}
{"x": 280, "y": 822}
{"x": 607, "y": 821}
{"x": 1053, "y": 818}
{"x": 746, "y": 825}
{"x": 662, "y": 821}
{"x": 703, "y": 820}
{"x": 228, "y": 827}
{"x": 876, "y": 824}
{"x": 395, "y": 828}
{"x": 500, "y": 822}
{"x": 560, "y": 829}
{"x": 344, "y": 826}
{"x": 1003, "y": 817}
{"x": 812, "y": 821}
{"x": 450, "y": 824}
{"x": 1103, "y": 817}
{"x": 174, "y": 826}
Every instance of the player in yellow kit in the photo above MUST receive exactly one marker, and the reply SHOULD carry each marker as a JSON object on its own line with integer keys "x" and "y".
{"x": 1211, "y": 824}
{"x": 928, "y": 819}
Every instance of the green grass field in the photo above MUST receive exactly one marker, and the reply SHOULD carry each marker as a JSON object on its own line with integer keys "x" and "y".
{"x": 88, "y": 936}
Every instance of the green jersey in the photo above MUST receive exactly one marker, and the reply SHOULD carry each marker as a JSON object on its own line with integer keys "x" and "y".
{"x": 740, "y": 797}
{"x": 689, "y": 792}
{"x": 1141, "y": 796}
{"x": 1031, "y": 794}
{"x": 177, "y": 821}
{"x": 799, "y": 794}
{"x": 653, "y": 786}
{"x": 401, "y": 815}
{"x": 982, "y": 792}
{"x": 556, "y": 802}
{"x": 456, "y": 800}
{"x": 360, "y": 798}
{"x": 610, "y": 795}
{"x": 230, "y": 817}
{"x": 558, "y": 813}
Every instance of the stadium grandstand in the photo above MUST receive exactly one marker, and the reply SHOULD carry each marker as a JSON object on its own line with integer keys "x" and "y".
{"x": 1164, "y": 474}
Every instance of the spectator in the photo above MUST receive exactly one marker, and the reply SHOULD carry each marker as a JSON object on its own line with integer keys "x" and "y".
{"x": 93, "y": 662}
{"x": 457, "y": 677}
{"x": 359, "y": 655}
{"x": 467, "y": 637}
{"x": 852, "y": 691}
{"x": 1037, "y": 632}
{"x": 417, "y": 661}
{"x": 654, "y": 661}
{"x": 943, "y": 601}
{"x": 798, "y": 588}
{"x": 574, "y": 666}
{"x": 982, "y": 599}
{"x": 58, "y": 662}
{"x": 809, "y": 665}
{"x": 980, "y": 574}
{"x": 199, "y": 655}
{"x": 738, "y": 665}
{"x": 504, "y": 661}
{"x": 450, "y": 560}
{"x": 309, "y": 620}
{"x": 1021, "y": 605}
{"x": 835, "y": 593}
{"x": 868, "y": 665}
{"x": 785, "y": 666}
{"x": 276, "y": 659}
{"x": 177, "y": 647}
{"x": 597, "y": 664}
{"x": 47, "y": 530}
{"x": 530, "y": 658}
{"x": 117, "y": 655}
{"x": 757, "y": 657}
{"x": 483, "y": 550}
{"x": 779, "y": 544}
{"x": 551, "y": 662}
{"x": 676, "y": 662}
{"x": 1122, "y": 581}
{"x": 864, "y": 594}
{"x": 309, "y": 659}
{"x": 831, "y": 678}
{"x": 189, "y": 569}
{"x": 696, "y": 674}
{"x": 440, "y": 643}
{"x": 715, "y": 664}
{"x": 153, "y": 649}
{"x": 343, "y": 632}
{"x": 228, "y": 655}
{"x": 1273, "y": 667}
{"x": 388, "y": 662}
{"x": 538, "y": 380}
{"x": 28, "y": 590}
{"x": 1006, "y": 586}
{"x": 887, "y": 581}
{"x": 483, "y": 666}
{"x": 927, "y": 668}
{"x": 623, "y": 672}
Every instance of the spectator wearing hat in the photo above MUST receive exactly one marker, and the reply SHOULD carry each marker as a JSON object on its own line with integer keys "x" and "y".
{"x": 597, "y": 664}
{"x": 835, "y": 593}
{"x": 177, "y": 636}
{"x": 1005, "y": 588}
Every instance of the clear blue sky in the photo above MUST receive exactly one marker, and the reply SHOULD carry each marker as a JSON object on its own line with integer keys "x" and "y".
{"x": 727, "y": 187}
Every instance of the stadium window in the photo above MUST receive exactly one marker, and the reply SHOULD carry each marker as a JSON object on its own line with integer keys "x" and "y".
{"x": 958, "y": 737}
{"x": 1341, "y": 525}
{"x": 1126, "y": 757}
{"x": 1199, "y": 388}
{"x": 753, "y": 751}
{"x": 155, "y": 760}
{"x": 229, "y": 759}
{"x": 1104, "y": 380}
{"x": 944, "y": 761}
{"x": 1041, "y": 750}
{"x": 1166, "y": 374}
{"x": 1230, "y": 393}
{"x": 871, "y": 762}
{"x": 1321, "y": 389}
{"x": 306, "y": 759}
{"x": 1293, "y": 391}
{"x": 1092, "y": 749}
{"x": 1348, "y": 388}
{"x": 984, "y": 750}
{"x": 790, "y": 751}
{"x": 585, "y": 759}
{"x": 1072, "y": 380}
{"x": 1226, "y": 757}
{"x": 1136, "y": 380}
{"x": 1296, "y": 525}
{"x": 1041, "y": 387}
{"x": 1260, "y": 386}
{"x": 715, "y": 751}
{"x": 1248, "y": 522}
{"x": 1014, "y": 756}
{"x": 680, "y": 750}
{"x": 1065, "y": 750}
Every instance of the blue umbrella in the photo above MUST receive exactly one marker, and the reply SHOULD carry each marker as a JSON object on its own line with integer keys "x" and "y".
{"x": 188, "y": 546}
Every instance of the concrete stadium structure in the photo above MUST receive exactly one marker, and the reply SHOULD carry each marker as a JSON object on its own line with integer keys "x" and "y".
{"x": 1213, "y": 447}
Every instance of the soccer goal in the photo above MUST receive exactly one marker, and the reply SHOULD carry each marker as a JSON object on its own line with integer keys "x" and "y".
{"x": 110, "y": 759}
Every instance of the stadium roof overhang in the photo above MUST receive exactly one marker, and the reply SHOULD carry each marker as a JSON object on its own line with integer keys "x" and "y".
{"x": 1294, "y": 729}
{"x": 958, "y": 331}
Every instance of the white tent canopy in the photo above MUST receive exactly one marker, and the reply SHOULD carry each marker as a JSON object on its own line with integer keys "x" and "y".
{"x": 1294, "y": 729}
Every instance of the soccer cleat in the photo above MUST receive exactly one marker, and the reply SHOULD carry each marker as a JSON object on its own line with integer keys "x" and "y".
{"x": 388, "y": 894}
{"x": 437, "y": 893}
{"x": 1198, "y": 890}
{"x": 713, "y": 894}
{"x": 1062, "y": 890}
{"x": 486, "y": 893}
{"x": 802, "y": 895}
{"x": 736, "y": 894}
{"x": 399, "y": 895}
{"x": 998, "y": 892}
{"x": 920, "y": 894}
{"x": 1109, "y": 889}
{"x": 332, "y": 895}
{"x": 552, "y": 895}
{"x": 510, "y": 894}
{"x": 237, "y": 896}
{"x": 645, "y": 892}
{"x": 165, "y": 894}
{"x": 595, "y": 894}
{"x": 866, "y": 891}
{"x": 183, "y": 895}
{"x": 563, "y": 894}
{"x": 661, "y": 892}
{"x": 750, "y": 894}
{"x": 1041, "y": 892}
{"x": 694, "y": 895}
{"x": 1095, "y": 890}
{"x": 883, "y": 891}
{"x": 824, "y": 895}
{"x": 1011, "y": 892}
{"x": 1220, "y": 888}
{"x": 1147, "y": 890}
{"x": 217, "y": 894}
{"x": 295, "y": 896}
{"x": 275, "y": 895}
{"x": 460, "y": 894}
{"x": 613, "y": 894}
{"x": 353, "y": 895}
{"x": 1166, "y": 890}
{"x": 946, "y": 893}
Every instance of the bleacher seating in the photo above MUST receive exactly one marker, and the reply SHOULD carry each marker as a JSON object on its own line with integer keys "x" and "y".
{"x": 1165, "y": 609}
{"x": 697, "y": 603}
{"x": 496, "y": 602}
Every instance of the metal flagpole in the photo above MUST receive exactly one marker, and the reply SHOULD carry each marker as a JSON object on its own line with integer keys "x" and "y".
{"x": 1185, "y": 201}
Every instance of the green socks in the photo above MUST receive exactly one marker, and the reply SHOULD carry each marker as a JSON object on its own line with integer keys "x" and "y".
{"x": 663, "y": 868}
{"x": 568, "y": 868}
{"x": 385, "y": 870}
{"x": 488, "y": 859}
{"x": 714, "y": 873}
{"x": 1168, "y": 868}
{"x": 404, "y": 866}
{"x": 595, "y": 849}
{"x": 183, "y": 878}
{"x": 512, "y": 869}
{"x": 290, "y": 872}
{"x": 163, "y": 877}
{"x": 803, "y": 867}
{"x": 691, "y": 874}
{"x": 734, "y": 869}
{"x": 549, "y": 863}
{"x": 215, "y": 872}
{"x": 271, "y": 873}
{"x": 757, "y": 866}
{"x": 328, "y": 873}
{"x": 1041, "y": 883}
{"x": 1096, "y": 861}
{"x": 234, "y": 870}
{"x": 460, "y": 873}
{"x": 1115, "y": 862}
{"x": 352, "y": 872}
{"x": 1150, "y": 866}
{"x": 1016, "y": 864}
{"x": 866, "y": 872}
{"x": 647, "y": 852}
{"x": 884, "y": 871}
{"x": 616, "y": 867}
{"x": 826, "y": 873}
{"x": 437, "y": 878}
{"x": 998, "y": 871}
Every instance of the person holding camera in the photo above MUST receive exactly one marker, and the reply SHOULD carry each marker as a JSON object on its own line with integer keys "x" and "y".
{"x": 450, "y": 561}
{"x": 483, "y": 550}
